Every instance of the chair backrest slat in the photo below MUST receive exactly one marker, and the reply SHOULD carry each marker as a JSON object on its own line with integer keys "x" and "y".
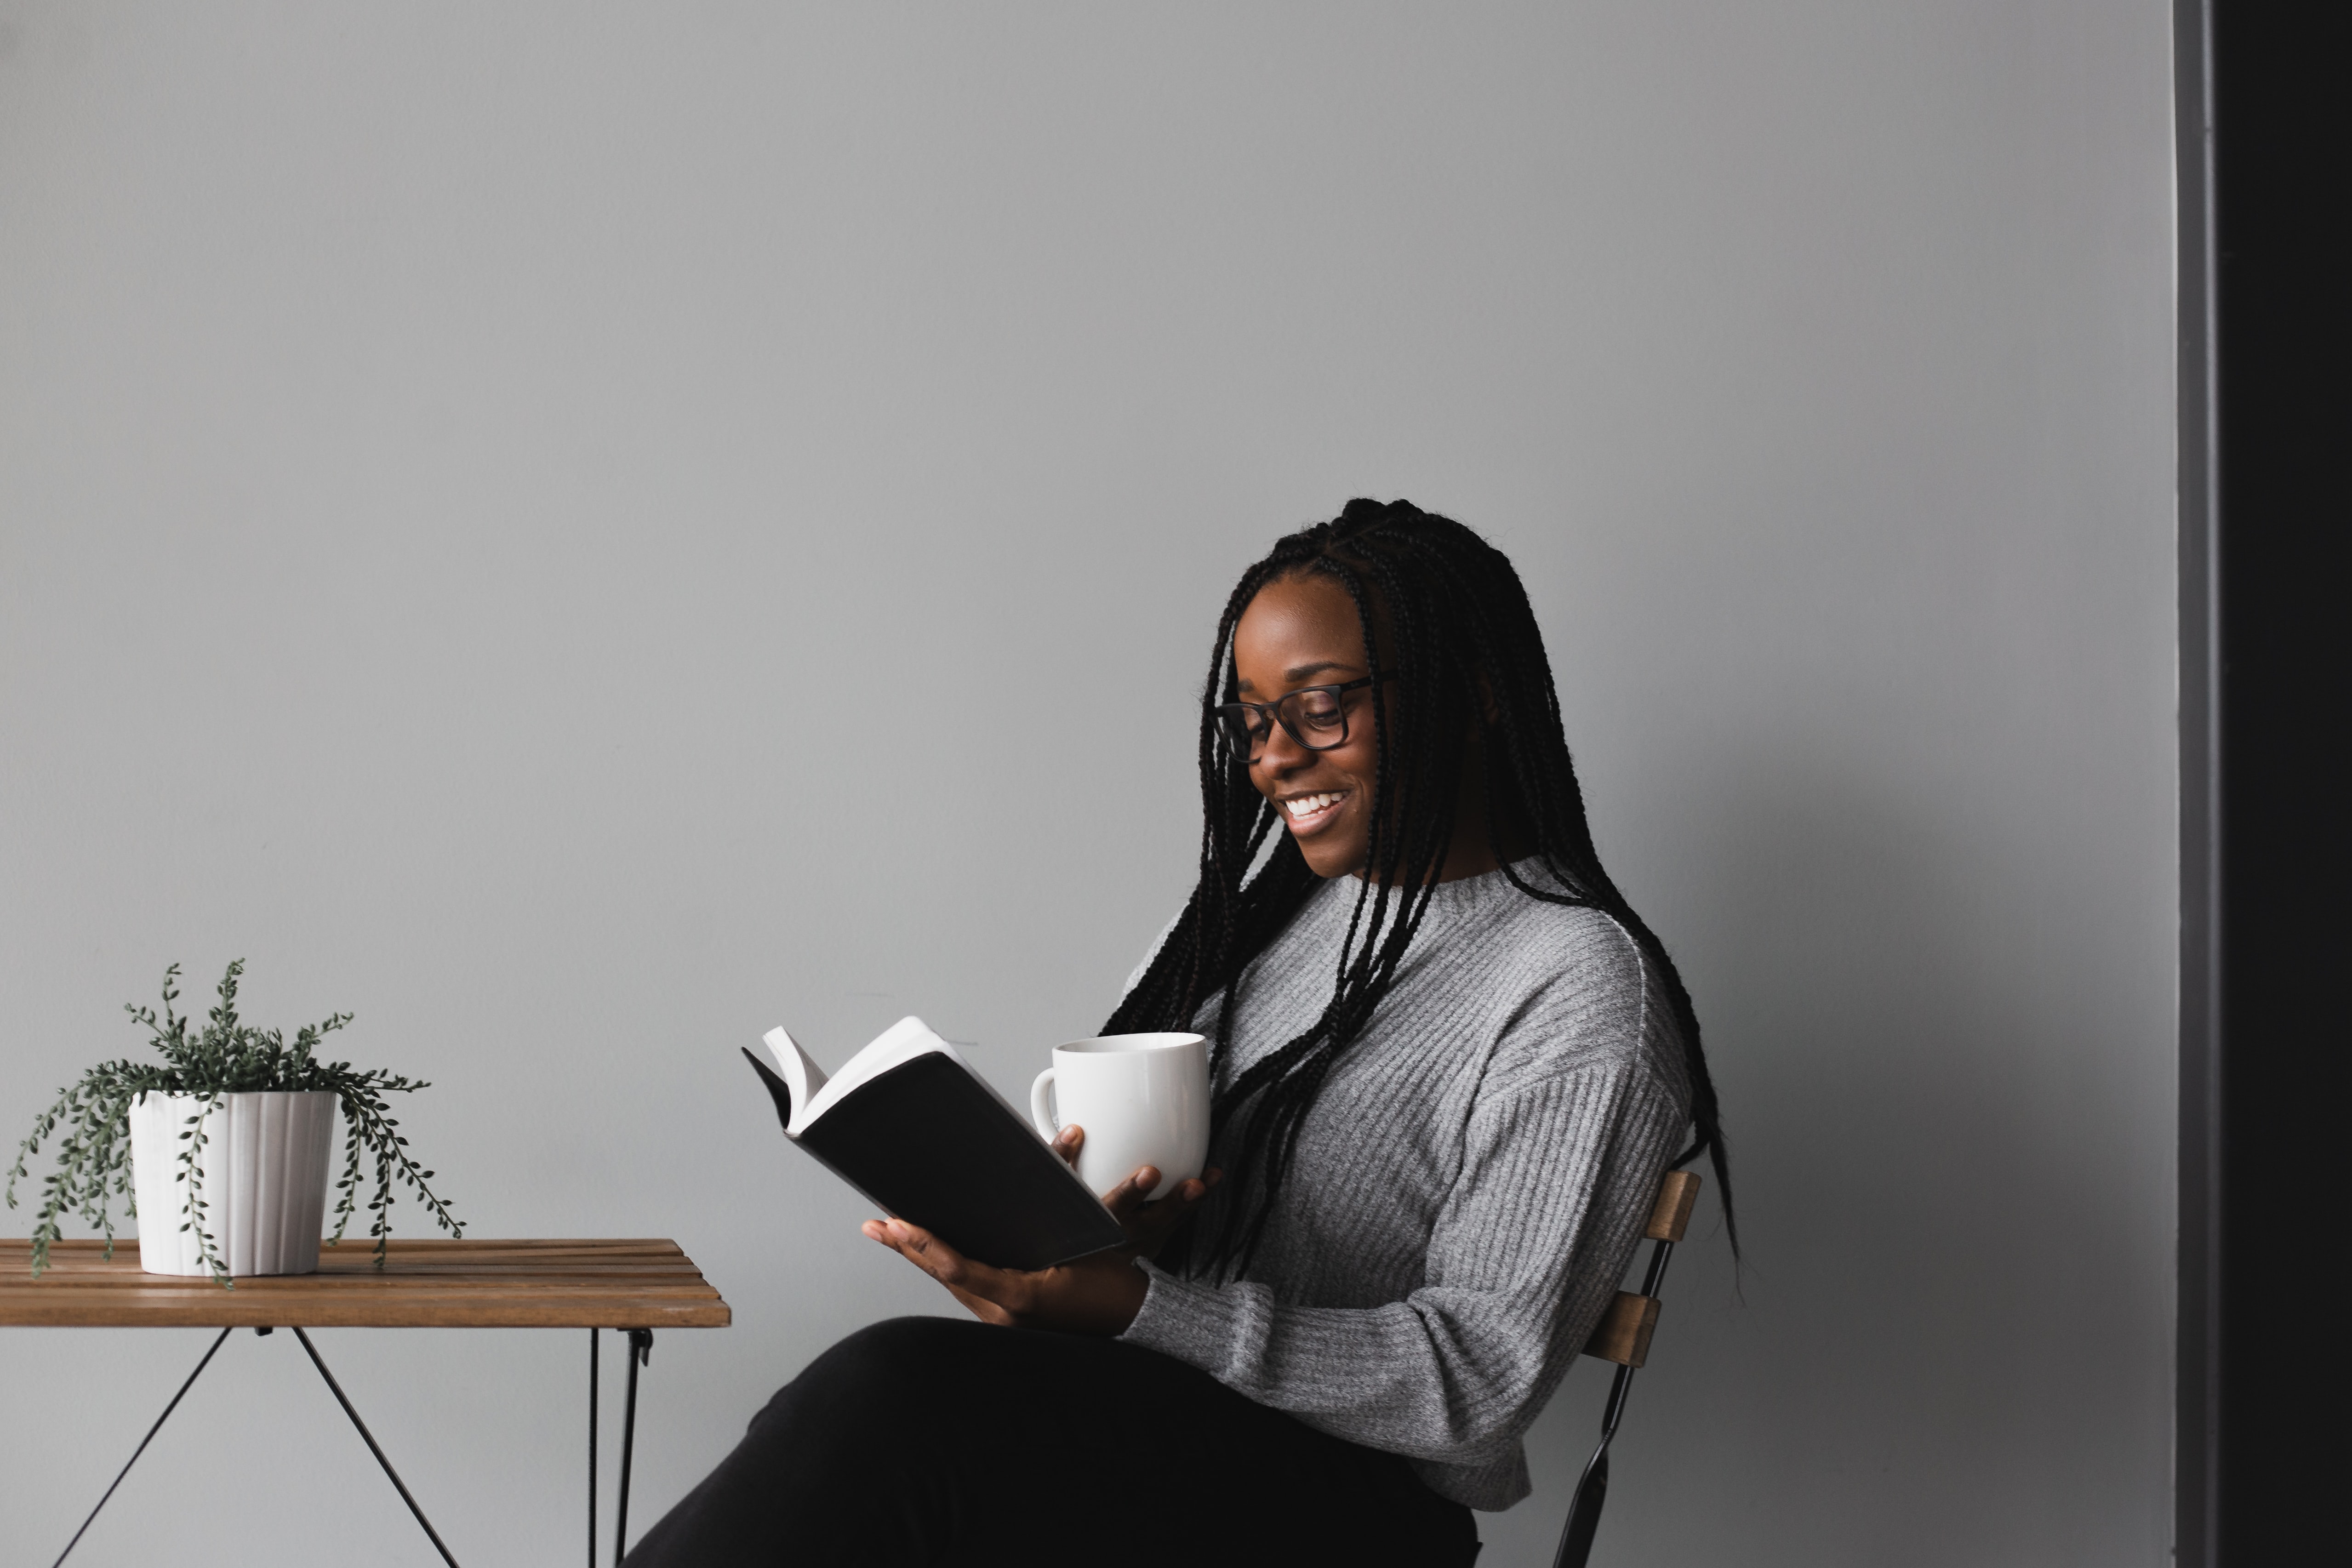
{"x": 1623, "y": 1333}
{"x": 1670, "y": 1217}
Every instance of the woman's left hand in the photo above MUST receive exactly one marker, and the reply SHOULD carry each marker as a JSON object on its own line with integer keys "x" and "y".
{"x": 1099, "y": 1295}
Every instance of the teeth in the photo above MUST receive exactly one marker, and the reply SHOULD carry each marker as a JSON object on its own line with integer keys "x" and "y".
{"x": 1308, "y": 805}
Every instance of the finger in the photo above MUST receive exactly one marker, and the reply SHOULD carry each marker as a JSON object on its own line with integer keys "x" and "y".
{"x": 1128, "y": 1197}
{"x": 884, "y": 1232}
{"x": 1153, "y": 1224}
{"x": 1180, "y": 1198}
{"x": 1006, "y": 1292}
{"x": 940, "y": 1261}
{"x": 927, "y": 1251}
{"x": 899, "y": 1241}
{"x": 1183, "y": 1195}
{"x": 949, "y": 1267}
{"x": 1068, "y": 1142}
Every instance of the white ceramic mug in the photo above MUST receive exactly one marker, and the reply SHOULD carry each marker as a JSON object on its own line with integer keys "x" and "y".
{"x": 1143, "y": 1100}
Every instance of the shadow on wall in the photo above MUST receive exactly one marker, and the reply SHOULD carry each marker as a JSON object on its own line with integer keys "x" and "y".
{"x": 1906, "y": 1016}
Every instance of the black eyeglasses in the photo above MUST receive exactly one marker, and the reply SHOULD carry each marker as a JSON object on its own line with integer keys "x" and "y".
{"x": 1314, "y": 717}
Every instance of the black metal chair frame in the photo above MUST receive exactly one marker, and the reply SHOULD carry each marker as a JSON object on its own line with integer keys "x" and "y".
{"x": 1592, "y": 1486}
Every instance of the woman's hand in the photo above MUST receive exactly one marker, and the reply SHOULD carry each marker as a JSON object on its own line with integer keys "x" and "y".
{"x": 1147, "y": 1224}
{"x": 1099, "y": 1295}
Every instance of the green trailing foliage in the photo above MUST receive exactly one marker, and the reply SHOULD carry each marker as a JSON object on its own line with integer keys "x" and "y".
{"x": 224, "y": 1057}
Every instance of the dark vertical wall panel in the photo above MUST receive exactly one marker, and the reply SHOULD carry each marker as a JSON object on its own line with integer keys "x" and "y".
{"x": 2280, "y": 113}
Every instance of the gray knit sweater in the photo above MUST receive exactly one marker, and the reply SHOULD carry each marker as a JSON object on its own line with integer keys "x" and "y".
{"x": 1468, "y": 1188}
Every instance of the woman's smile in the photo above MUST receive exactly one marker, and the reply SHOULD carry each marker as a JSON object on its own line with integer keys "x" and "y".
{"x": 1312, "y": 813}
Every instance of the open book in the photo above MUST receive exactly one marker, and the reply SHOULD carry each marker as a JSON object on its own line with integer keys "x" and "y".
{"x": 908, "y": 1123}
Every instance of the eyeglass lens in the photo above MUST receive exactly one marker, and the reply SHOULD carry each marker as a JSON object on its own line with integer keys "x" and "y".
{"x": 1315, "y": 718}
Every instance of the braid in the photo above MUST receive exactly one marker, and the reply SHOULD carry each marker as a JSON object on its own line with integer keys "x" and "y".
{"x": 1462, "y": 640}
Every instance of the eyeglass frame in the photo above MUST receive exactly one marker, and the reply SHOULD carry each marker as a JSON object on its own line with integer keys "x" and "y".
{"x": 1227, "y": 711}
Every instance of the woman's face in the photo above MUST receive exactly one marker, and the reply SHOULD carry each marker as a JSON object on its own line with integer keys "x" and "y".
{"x": 1304, "y": 631}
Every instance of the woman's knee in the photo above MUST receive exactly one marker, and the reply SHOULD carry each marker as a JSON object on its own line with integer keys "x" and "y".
{"x": 909, "y": 1352}
{"x": 883, "y": 1376}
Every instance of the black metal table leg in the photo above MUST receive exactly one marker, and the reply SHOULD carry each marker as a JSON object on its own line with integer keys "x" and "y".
{"x": 142, "y": 1448}
{"x": 641, "y": 1354}
{"x": 398, "y": 1485}
{"x": 640, "y": 1343}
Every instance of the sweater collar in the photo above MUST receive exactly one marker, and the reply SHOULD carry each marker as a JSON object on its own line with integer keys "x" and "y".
{"x": 1464, "y": 897}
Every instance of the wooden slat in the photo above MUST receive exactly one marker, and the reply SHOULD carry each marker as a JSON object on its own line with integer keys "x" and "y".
{"x": 1671, "y": 1215}
{"x": 440, "y": 1283}
{"x": 1623, "y": 1333}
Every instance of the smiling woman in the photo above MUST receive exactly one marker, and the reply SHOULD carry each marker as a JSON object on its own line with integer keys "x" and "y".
{"x": 1450, "y": 1066}
{"x": 1307, "y": 628}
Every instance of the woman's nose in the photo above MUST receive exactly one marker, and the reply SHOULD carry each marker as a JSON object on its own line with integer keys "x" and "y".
{"x": 1279, "y": 754}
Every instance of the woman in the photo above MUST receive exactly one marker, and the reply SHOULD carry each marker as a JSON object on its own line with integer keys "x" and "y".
{"x": 1450, "y": 1066}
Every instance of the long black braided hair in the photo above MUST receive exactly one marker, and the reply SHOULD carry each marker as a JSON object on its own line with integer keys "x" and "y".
{"x": 1450, "y": 637}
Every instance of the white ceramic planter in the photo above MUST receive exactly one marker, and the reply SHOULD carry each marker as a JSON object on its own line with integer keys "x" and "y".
{"x": 265, "y": 1180}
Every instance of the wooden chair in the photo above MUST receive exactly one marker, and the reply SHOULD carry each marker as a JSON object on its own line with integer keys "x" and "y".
{"x": 1623, "y": 1338}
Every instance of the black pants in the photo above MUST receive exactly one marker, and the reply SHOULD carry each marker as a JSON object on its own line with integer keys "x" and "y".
{"x": 928, "y": 1441}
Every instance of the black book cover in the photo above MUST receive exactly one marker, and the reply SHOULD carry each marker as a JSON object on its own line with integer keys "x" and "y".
{"x": 931, "y": 1145}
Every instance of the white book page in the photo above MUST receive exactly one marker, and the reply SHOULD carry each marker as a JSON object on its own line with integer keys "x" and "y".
{"x": 802, "y": 1077}
{"x": 901, "y": 1042}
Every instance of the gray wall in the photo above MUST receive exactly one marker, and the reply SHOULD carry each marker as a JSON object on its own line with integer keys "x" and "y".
{"x": 581, "y": 533}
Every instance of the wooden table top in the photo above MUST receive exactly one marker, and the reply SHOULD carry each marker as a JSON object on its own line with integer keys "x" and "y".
{"x": 603, "y": 1284}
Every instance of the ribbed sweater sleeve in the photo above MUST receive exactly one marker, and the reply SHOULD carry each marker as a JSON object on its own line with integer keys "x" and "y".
{"x": 1527, "y": 1244}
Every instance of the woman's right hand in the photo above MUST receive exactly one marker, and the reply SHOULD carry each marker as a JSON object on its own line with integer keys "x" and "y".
{"x": 1148, "y": 1222}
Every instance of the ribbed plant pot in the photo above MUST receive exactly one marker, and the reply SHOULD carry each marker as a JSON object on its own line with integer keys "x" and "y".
{"x": 264, "y": 1176}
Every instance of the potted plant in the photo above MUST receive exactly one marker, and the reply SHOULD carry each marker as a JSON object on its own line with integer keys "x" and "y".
{"x": 227, "y": 1136}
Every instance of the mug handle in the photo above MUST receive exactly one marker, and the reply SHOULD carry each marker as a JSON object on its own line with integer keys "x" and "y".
{"x": 1038, "y": 1113}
